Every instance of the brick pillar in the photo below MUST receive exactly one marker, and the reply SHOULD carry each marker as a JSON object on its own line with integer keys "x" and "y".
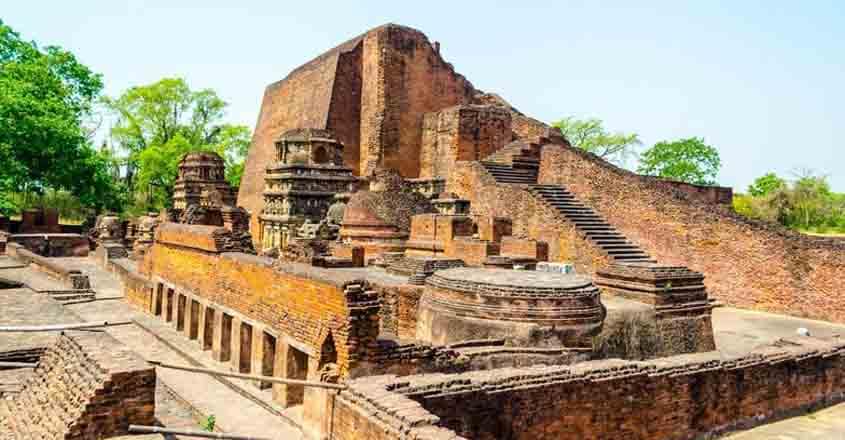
{"x": 257, "y": 353}
{"x": 279, "y": 369}
{"x": 201, "y": 329}
{"x": 217, "y": 343}
{"x": 186, "y": 329}
{"x": 235, "y": 360}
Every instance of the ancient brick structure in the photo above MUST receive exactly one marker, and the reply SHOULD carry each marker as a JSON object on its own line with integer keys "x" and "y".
{"x": 526, "y": 308}
{"x": 464, "y": 132}
{"x": 747, "y": 263}
{"x": 372, "y": 92}
{"x": 678, "y": 296}
{"x": 202, "y": 182}
{"x": 301, "y": 186}
{"x": 86, "y": 386}
{"x": 684, "y": 397}
{"x": 418, "y": 289}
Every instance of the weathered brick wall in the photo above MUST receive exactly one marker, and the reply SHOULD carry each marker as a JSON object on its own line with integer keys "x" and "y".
{"x": 520, "y": 247}
{"x": 138, "y": 290}
{"x": 747, "y": 263}
{"x": 531, "y": 218}
{"x": 399, "y": 310}
{"x": 86, "y": 386}
{"x": 463, "y": 132}
{"x": 683, "y": 397}
{"x": 344, "y": 119}
{"x": 372, "y": 91}
{"x": 74, "y": 279}
{"x": 303, "y": 99}
{"x": 302, "y": 302}
{"x": 404, "y": 77}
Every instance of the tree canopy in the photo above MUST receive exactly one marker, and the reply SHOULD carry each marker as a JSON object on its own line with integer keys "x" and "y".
{"x": 766, "y": 184}
{"x": 806, "y": 203}
{"x": 45, "y": 96}
{"x": 686, "y": 160}
{"x": 157, "y": 124}
{"x": 590, "y": 135}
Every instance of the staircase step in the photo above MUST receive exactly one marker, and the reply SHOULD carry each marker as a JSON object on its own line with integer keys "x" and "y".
{"x": 629, "y": 256}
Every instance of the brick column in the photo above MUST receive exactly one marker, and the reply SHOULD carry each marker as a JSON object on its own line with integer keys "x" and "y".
{"x": 257, "y": 352}
{"x": 201, "y": 330}
{"x": 186, "y": 329}
{"x": 217, "y": 341}
{"x": 235, "y": 360}
{"x": 280, "y": 370}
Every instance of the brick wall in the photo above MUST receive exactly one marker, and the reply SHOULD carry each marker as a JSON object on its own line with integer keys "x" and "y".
{"x": 404, "y": 78}
{"x": 74, "y": 279}
{"x": 748, "y": 264}
{"x": 464, "y": 132}
{"x": 683, "y": 397}
{"x": 138, "y": 290}
{"x": 301, "y": 100}
{"x": 87, "y": 385}
{"x": 302, "y": 302}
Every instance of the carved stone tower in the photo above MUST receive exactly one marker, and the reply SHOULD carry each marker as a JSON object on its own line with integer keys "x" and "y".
{"x": 301, "y": 185}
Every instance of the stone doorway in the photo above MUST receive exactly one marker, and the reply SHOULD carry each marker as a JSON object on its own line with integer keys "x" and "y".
{"x": 180, "y": 312}
{"x": 208, "y": 332}
{"x": 225, "y": 338}
{"x": 158, "y": 299}
{"x": 194, "y": 324}
{"x": 297, "y": 368}
{"x": 168, "y": 315}
{"x": 268, "y": 360}
{"x": 245, "y": 357}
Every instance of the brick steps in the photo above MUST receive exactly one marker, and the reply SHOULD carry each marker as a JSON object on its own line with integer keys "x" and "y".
{"x": 508, "y": 174}
{"x": 597, "y": 230}
{"x": 54, "y": 398}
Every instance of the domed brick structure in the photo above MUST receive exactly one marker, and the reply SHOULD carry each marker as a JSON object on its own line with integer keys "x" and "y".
{"x": 526, "y": 308}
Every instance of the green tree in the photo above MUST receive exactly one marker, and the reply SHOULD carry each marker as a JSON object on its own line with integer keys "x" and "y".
{"x": 45, "y": 95}
{"x": 590, "y": 135}
{"x": 766, "y": 184}
{"x": 157, "y": 124}
{"x": 686, "y": 160}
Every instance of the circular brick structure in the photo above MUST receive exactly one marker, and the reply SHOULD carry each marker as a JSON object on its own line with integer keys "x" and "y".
{"x": 526, "y": 308}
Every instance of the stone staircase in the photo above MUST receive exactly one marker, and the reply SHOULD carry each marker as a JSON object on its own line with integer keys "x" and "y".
{"x": 516, "y": 163}
{"x": 519, "y": 163}
{"x": 590, "y": 223}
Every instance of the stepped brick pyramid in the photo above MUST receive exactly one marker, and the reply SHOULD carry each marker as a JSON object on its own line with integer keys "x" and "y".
{"x": 86, "y": 386}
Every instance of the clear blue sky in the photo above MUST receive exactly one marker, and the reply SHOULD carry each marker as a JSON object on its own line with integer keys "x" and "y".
{"x": 763, "y": 81}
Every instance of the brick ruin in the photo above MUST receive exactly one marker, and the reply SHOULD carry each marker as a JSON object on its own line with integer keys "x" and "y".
{"x": 407, "y": 235}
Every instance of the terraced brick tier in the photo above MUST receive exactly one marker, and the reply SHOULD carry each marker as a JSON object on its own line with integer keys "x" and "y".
{"x": 526, "y": 308}
{"x": 671, "y": 289}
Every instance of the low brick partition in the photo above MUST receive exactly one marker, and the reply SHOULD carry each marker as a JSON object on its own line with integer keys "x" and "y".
{"x": 74, "y": 278}
{"x": 677, "y": 398}
{"x": 86, "y": 386}
{"x": 137, "y": 288}
{"x": 54, "y": 244}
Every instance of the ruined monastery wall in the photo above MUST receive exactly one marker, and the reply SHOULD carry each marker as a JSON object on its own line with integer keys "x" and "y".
{"x": 683, "y": 397}
{"x": 404, "y": 78}
{"x": 292, "y": 301}
{"x": 747, "y": 264}
{"x": 301, "y": 100}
